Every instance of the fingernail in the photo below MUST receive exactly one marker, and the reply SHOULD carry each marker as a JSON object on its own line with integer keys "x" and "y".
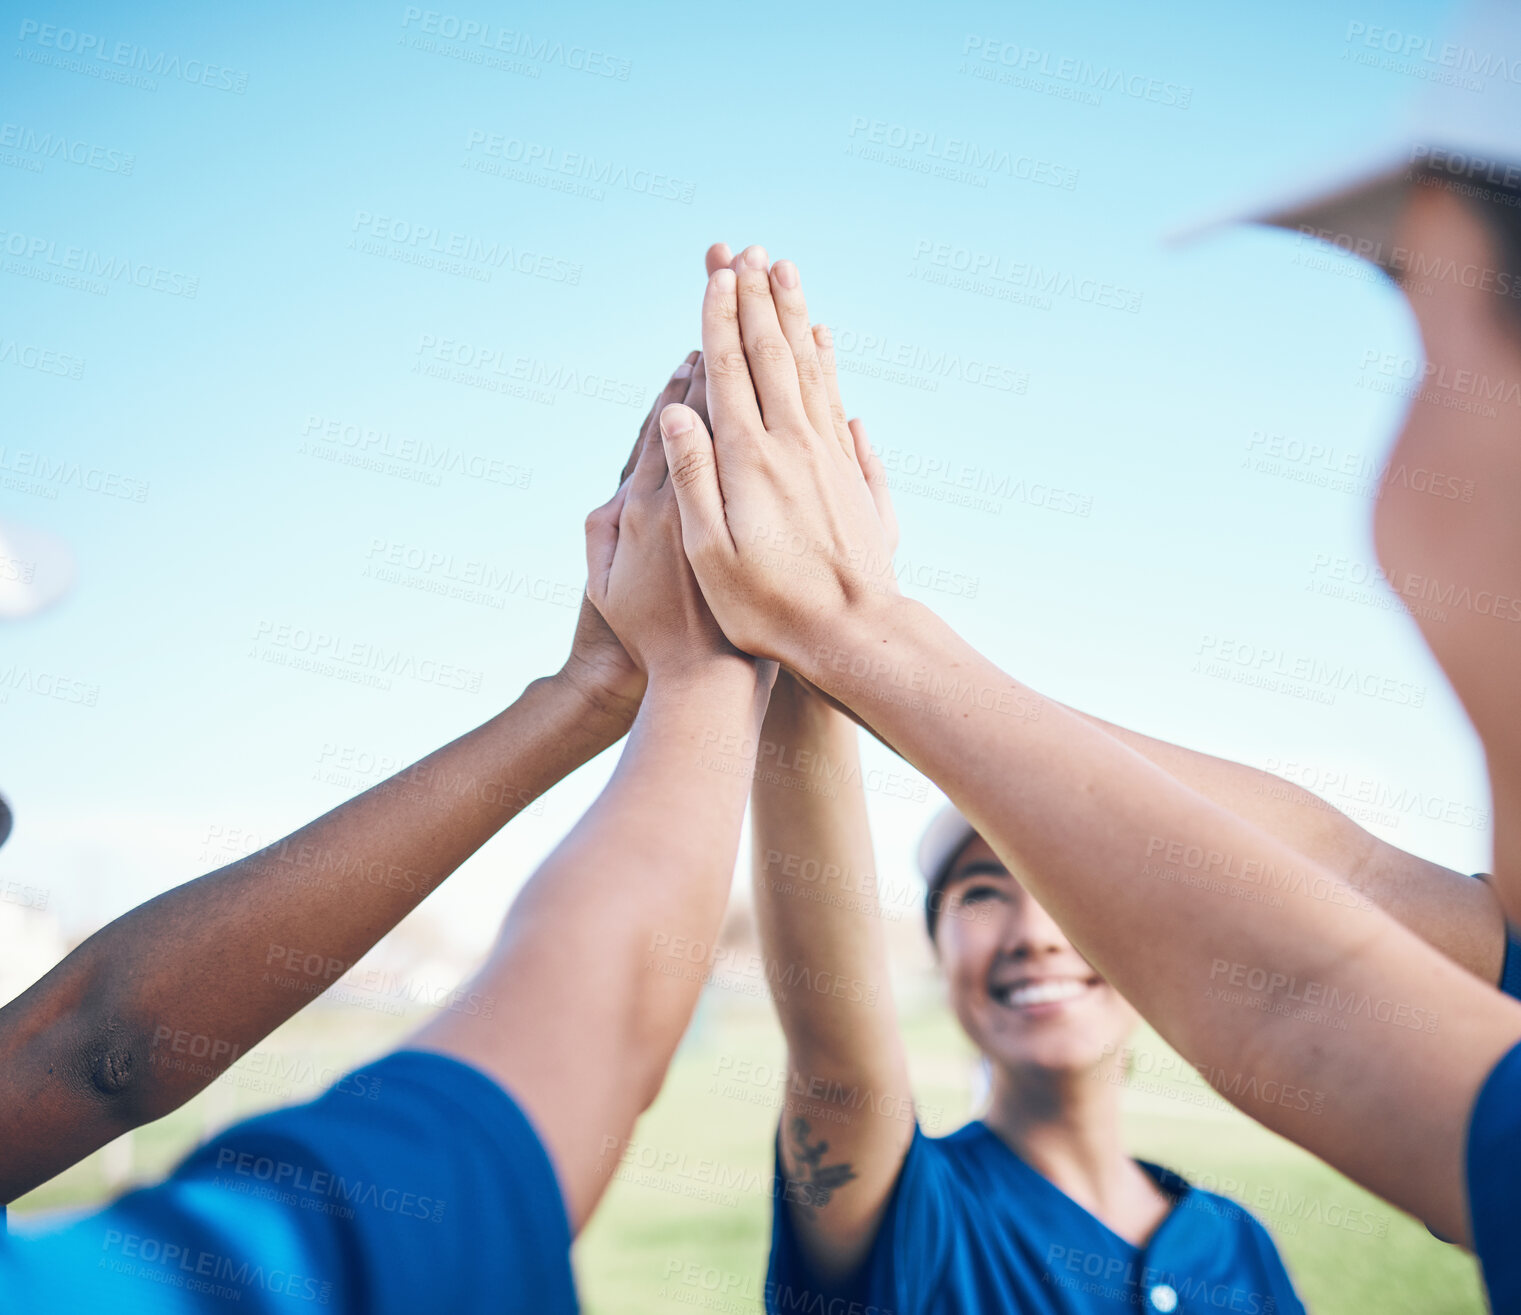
{"x": 683, "y": 371}
{"x": 675, "y": 420}
{"x": 786, "y": 273}
{"x": 723, "y": 280}
{"x": 755, "y": 257}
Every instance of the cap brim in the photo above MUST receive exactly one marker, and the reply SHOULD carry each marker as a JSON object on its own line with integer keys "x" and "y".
{"x": 1353, "y": 207}
{"x": 944, "y": 838}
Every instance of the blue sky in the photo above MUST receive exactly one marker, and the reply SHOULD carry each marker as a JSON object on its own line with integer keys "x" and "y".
{"x": 422, "y": 335}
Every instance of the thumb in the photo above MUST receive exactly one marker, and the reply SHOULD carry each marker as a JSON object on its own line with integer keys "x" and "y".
{"x": 694, "y": 476}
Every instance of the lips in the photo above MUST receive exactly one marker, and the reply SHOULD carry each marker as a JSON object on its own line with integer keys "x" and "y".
{"x": 1040, "y": 992}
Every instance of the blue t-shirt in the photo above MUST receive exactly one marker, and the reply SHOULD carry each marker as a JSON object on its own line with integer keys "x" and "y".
{"x": 972, "y": 1228}
{"x": 414, "y": 1185}
{"x": 1494, "y": 1183}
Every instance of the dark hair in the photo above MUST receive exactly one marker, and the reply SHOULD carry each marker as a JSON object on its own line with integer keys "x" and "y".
{"x": 5, "y": 820}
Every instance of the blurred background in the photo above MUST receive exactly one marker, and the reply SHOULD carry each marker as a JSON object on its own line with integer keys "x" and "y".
{"x": 320, "y": 332}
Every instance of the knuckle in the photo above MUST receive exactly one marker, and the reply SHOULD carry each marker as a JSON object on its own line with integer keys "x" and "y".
{"x": 808, "y": 371}
{"x": 690, "y": 467}
{"x": 770, "y": 349}
{"x": 728, "y": 364}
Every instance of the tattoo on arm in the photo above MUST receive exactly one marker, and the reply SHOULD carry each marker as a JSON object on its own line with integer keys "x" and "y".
{"x": 812, "y": 1182}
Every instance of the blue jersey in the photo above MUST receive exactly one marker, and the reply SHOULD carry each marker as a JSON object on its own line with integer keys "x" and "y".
{"x": 414, "y": 1185}
{"x": 1494, "y": 1183}
{"x": 972, "y": 1228}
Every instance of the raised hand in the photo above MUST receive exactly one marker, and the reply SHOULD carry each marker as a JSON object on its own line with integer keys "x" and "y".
{"x": 780, "y": 521}
{"x": 638, "y": 577}
{"x": 598, "y": 666}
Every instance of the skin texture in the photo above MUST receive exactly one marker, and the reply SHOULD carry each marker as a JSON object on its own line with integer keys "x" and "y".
{"x": 1102, "y": 836}
{"x": 121, "y": 1033}
{"x": 595, "y": 968}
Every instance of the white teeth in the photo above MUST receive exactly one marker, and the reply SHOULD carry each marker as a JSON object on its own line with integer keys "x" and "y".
{"x": 1042, "y": 993}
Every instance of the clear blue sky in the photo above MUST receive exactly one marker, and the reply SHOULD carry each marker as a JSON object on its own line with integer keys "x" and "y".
{"x": 337, "y": 144}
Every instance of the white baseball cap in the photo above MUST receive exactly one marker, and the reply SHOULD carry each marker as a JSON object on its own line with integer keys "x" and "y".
{"x": 945, "y": 837}
{"x": 1466, "y": 123}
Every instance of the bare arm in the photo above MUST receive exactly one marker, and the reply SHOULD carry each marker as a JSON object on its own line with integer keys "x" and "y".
{"x": 99, "y": 1044}
{"x": 1156, "y": 885}
{"x": 816, "y": 901}
{"x": 1461, "y": 917}
{"x": 603, "y": 955}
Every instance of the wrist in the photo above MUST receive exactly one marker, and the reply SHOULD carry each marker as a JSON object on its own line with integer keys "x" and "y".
{"x": 605, "y": 707}
{"x": 860, "y": 646}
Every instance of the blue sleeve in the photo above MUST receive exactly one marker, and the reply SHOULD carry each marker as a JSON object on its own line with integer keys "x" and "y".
{"x": 907, "y": 1253}
{"x": 416, "y": 1184}
{"x": 1494, "y": 1182}
{"x": 1510, "y": 970}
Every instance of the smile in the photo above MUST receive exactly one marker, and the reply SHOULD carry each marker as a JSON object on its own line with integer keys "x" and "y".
{"x": 1032, "y": 994}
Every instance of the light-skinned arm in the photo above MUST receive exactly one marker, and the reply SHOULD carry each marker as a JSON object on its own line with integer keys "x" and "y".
{"x": 601, "y": 959}
{"x": 1155, "y": 884}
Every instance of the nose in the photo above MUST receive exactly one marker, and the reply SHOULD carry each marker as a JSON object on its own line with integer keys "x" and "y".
{"x": 1032, "y": 932}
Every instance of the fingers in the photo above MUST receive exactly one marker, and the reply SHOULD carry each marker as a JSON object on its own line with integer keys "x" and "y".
{"x": 792, "y": 312}
{"x": 731, "y": 399}
{"x": 697, "y": 390}
{"x": 772, "y": 368}
{"x": 876, "y": 481}
{"x": 719, "y": 257}
{"x": 694, "y": 479}
{"x": 602, "y": 543}
{"x": 674, "y": 390}
{"x": 823, "y": 342}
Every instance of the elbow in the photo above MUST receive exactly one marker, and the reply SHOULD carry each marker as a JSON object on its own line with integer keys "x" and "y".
{"x": 109, "y": 1063}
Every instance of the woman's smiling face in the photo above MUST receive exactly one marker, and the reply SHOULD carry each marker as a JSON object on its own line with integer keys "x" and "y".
{"x": 1024, "y": 995}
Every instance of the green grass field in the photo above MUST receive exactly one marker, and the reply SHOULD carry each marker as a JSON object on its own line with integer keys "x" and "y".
{"x": 686, "y": 1223}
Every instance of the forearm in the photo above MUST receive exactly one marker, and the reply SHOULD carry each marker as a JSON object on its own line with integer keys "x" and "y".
{"x": 1450, "y": 911}
{"x": 1170, "y": 895}
{"x": 815, "y": 887}
{"x": 603, "y": 955}
{"x": 206, "y": 970}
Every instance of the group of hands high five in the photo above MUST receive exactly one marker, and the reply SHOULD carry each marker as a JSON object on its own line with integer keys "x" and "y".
{"x": 747, "y": 447}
